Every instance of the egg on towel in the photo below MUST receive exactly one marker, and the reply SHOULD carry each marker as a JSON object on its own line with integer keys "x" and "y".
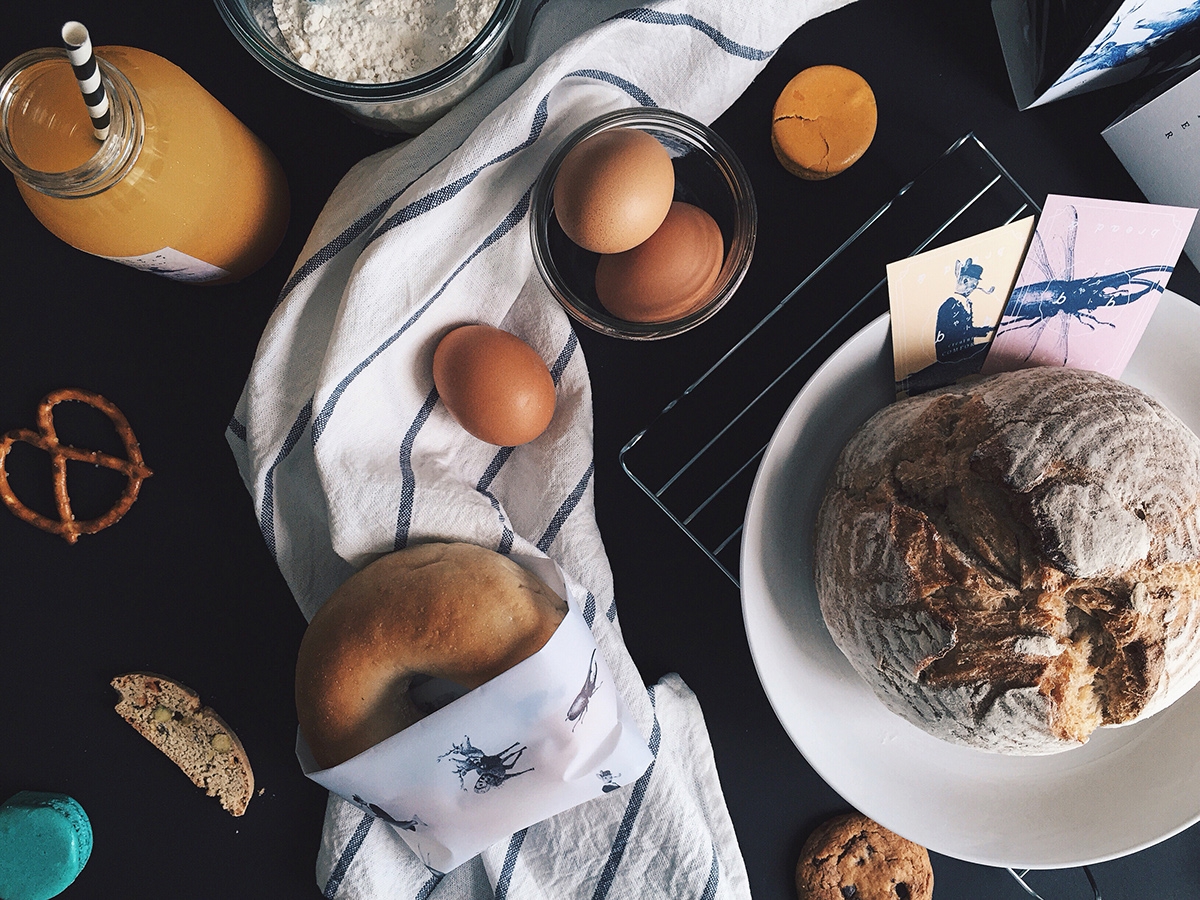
{"x": 613, "y": 190}
{"x": 494, "y": 384}
{"x": 668, "y": 275}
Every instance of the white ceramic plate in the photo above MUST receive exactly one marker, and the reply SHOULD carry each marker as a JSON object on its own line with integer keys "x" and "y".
{"x": 1126, "y": 789}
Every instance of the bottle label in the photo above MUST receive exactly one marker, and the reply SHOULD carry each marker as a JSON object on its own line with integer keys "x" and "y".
{"x": 174, "y": 265}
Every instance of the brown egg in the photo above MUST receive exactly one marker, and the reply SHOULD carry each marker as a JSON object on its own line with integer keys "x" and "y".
{"x": 669, "y": 274}
{"x": 494, "y": 384}
{"x": 613, "y": 190}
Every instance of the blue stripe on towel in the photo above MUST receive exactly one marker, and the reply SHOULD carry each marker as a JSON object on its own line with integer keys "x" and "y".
{"x": 714, "y": 878}
{"x": 507, "y": 537}
{"x": 617, "y": 81}
{"x": 266, "y": 520}
{"x": 654, "y": 17}
{"x": 436, "y": 198}
{"x": 611, "y": 612}
{"x": 506, "y": 541}
{"x": 506, "y": 225}
{"x": 589, "y": 609}
{"x": 427, "y": 887}
{"x": 506, "y": 534}
{"x": 510, "y": 863}
{"x": 493, "y": 469}
{"x": 564, "y": 357}
{"x": 238, "y": 429}
{"x": 327, "y": 410}
{"x": 408, "y": 479}
{"x": 617, "y": 851}
{"x": 365, "y": 221}
{"x": 347, "y": 857}
{"x": 338, "y": 244}
{"x": 563, "y": 512}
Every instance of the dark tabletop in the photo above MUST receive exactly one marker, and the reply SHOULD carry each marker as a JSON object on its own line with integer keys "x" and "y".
{"x": 184, "y": 584}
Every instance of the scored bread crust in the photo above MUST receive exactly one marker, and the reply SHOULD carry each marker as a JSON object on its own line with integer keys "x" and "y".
{"x": 1013, "y": 562}
{"x": 171, "y": 716}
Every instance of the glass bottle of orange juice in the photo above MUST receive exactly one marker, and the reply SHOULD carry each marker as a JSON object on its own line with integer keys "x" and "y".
{"x": 180, "y": 187}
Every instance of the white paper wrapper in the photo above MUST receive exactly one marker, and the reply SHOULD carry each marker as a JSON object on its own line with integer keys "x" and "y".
{"x": 550, "y": 733}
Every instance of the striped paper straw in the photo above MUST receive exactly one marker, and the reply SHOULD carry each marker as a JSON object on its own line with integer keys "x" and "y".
{"x": 87, "y": 73}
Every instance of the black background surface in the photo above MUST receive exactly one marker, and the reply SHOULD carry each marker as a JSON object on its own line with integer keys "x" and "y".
{"x": 184, "y": 584}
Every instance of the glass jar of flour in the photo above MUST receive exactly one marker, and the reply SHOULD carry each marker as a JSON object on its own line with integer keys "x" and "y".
{"x": 405, "y": 100}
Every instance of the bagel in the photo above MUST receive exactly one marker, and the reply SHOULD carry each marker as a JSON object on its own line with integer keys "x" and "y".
{"x": 453, "y": 611}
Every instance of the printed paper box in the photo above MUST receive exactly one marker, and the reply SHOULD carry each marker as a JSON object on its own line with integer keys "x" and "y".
{"x": 1054, "y": 49}
{"x": 1158, "y": 142}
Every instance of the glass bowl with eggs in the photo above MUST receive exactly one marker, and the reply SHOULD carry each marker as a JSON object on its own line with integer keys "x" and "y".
{"x": 398, "y": 65}
{"x": 643, "y": 223}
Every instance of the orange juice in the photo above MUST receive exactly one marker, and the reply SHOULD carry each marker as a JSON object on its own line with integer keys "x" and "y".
{"x": 180, "y": 187}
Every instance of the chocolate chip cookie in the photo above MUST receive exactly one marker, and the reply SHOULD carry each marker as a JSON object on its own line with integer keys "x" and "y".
{"x": 851, "y": 857}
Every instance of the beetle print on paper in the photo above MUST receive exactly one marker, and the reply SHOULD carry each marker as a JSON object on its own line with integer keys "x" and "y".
{"x": 381, "y": 813}
{"x": 579, "y": 706}
{"x": 491, "y": 770}
{"x": 1064, "y": 298}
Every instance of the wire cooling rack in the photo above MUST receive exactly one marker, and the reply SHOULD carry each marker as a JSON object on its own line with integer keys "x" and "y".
{"x": 697, "y": 459}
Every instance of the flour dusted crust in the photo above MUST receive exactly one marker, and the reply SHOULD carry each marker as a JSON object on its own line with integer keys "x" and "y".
{"x": 1014, "y": 562}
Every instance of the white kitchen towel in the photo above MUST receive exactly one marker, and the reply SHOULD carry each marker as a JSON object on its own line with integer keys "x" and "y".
{"x": 348, "y": 454}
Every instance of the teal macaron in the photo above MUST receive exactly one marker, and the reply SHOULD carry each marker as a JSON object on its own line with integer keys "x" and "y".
{"x": 45, "y": 841}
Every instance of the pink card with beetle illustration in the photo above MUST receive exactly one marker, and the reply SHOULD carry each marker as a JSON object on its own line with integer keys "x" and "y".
{"x": 1089, "y": 284}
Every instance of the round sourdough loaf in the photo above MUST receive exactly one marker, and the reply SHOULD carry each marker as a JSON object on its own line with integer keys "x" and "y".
{"x": 1013, "y": 562}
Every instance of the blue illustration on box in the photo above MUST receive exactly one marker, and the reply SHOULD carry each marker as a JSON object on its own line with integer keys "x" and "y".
{"x": 491, "y": 770}
{"x": 579, "y": 706}
{"x": 1141, "y": 39}
{"x": 609, "y": 779}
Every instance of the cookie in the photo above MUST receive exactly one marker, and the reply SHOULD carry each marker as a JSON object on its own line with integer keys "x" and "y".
{"x": 851, "y": 857}
{"x": 45, "y": 841}
{"x": 823, "y": 121}
{"x": 170, "y": 716}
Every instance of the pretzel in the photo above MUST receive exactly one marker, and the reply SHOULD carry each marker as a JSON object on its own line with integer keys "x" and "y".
{"x": 45, "y": 438}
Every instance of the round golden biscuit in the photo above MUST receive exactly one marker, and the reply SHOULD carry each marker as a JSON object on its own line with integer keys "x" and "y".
{"x": 851, "y": 856}
{"x": 823, "y": 122}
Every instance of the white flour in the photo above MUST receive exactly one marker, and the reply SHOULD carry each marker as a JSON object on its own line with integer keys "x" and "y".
{"x": 376, "y": 41}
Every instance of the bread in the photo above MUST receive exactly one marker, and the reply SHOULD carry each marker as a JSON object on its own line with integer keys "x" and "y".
{"x": 452, "y": 611}
{"x": 823, "y": 121}
{"x": 852, "y": 856}
{"x": 1013, "y": 562}
{"x": 171, "y": 717}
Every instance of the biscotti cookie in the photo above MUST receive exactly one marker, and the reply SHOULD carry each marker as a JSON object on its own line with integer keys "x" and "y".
{"x": 852, "y": 857}
{"x": 171, "y": 717}
{"x": 1013, "y": 562}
